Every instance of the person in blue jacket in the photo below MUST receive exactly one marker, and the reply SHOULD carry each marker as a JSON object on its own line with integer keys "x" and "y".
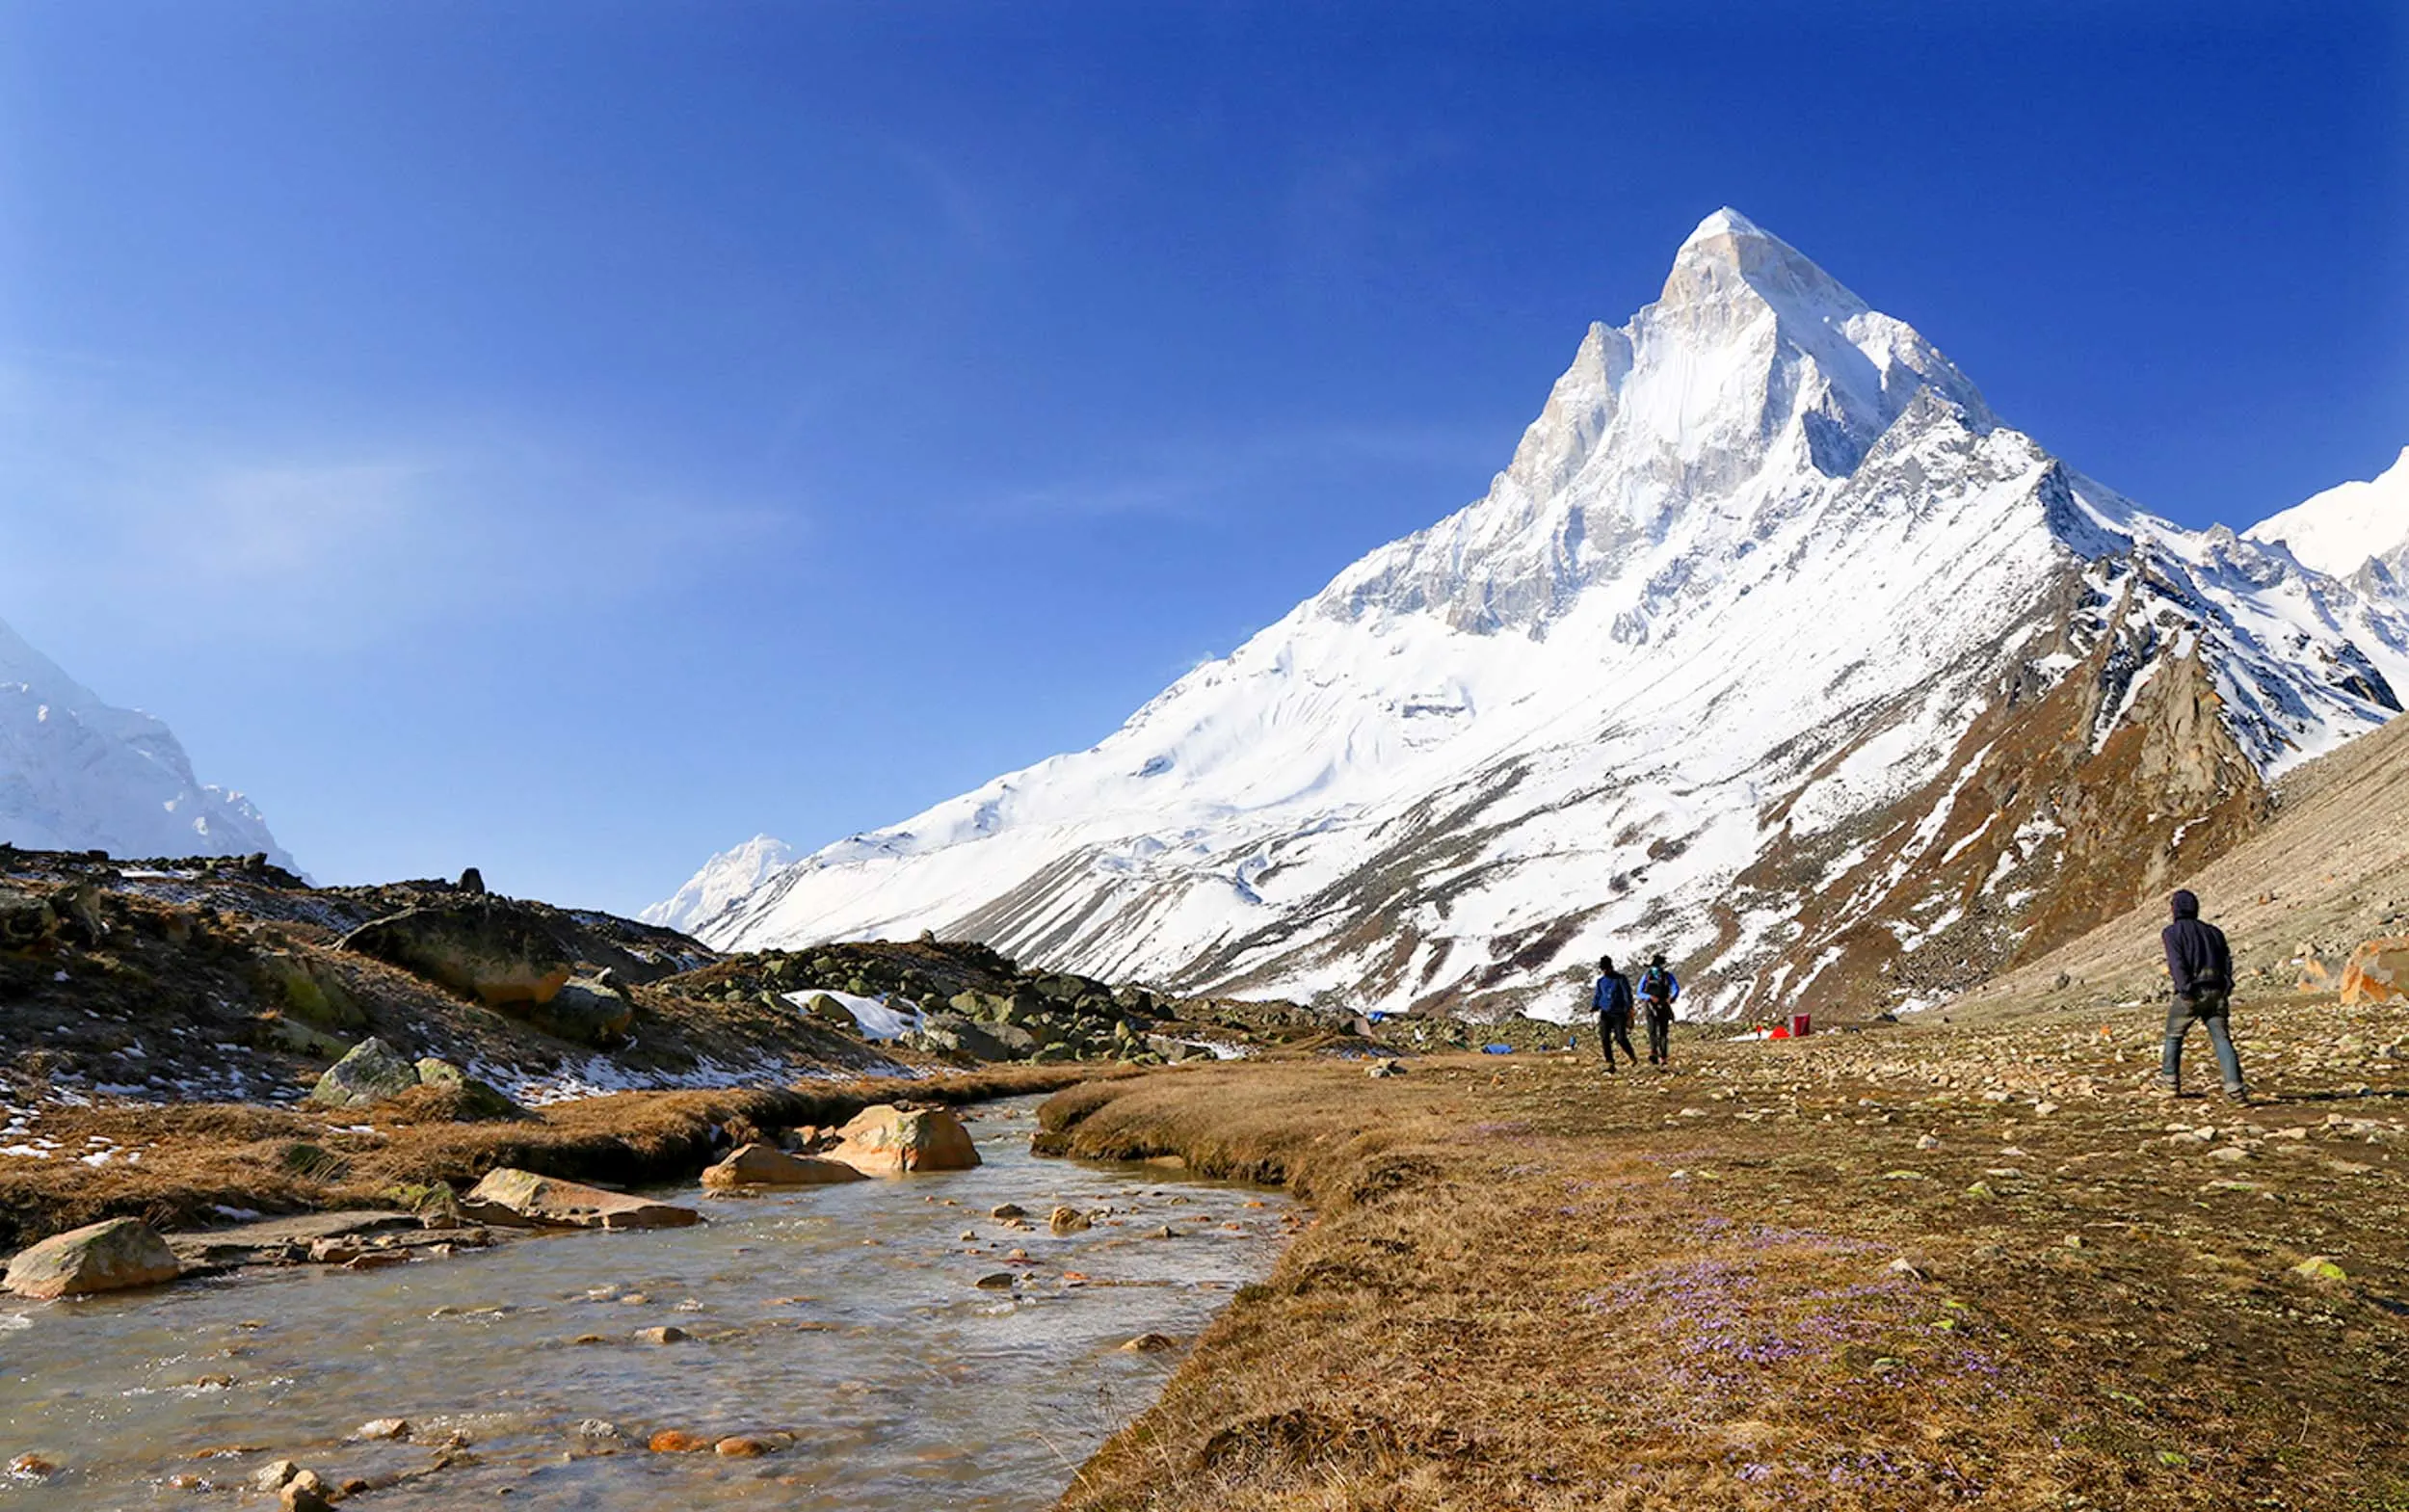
{"x": 1612, "y": 999}
{"x": 1658, "y": 990}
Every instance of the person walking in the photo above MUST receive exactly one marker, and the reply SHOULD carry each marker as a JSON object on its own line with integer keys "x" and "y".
{"x": 2201, "y": 968}
{"x": 1659, "y": 988}
{"x": 1612, "y": 999}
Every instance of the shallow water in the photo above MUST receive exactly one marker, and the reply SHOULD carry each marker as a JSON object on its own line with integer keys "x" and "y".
{"x": 845, "y": 1316}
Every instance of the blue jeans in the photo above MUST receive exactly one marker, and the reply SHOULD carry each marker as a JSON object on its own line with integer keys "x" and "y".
{"x": 2210, "y": 1009}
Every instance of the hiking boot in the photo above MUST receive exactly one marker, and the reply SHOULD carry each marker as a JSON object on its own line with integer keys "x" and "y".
{"x": 2169, "y": 1087}
{"x": 2240, "y": 1094}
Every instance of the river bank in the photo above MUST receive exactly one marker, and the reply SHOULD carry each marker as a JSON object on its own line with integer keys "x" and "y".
{"x": 204, "y": 1165}
{"x": 1918, "y": 1266}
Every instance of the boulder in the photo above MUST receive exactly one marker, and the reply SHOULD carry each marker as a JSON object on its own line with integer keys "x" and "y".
{"x": 583, "y": 1012}
{"x": 26, "y": 921}
{"x": 767, "y": 1165}
{"x": 100, "y": 1257}
{"x": 473, "y": 1098}
{"x": 370, "y": 1073}
{"x": 305, "y": 989}
{"x": 297, "y": 1039}
{"x": 522, "y": 1199}
{"x": 886, "y": 1140}
{"x": 482, "y": 946}
{"x": 2378, "y": 972}
{"x": 826, "y": 1010}
{"x": 951, "y": 1031}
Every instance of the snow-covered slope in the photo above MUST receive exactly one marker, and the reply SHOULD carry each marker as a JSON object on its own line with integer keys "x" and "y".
{"x": 723, "y": 878}
{"x": 78, "y": 774}
{"x": 1772, "y": 648}
{"x": 2354, "y": 530}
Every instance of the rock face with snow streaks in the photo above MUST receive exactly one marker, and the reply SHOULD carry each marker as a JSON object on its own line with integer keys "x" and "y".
{"x": 1772, "y": 648}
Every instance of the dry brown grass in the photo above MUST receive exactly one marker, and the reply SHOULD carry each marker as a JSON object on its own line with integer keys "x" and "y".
{"x": 1531, "y": 1288}
{"x": 195, "y": 1157}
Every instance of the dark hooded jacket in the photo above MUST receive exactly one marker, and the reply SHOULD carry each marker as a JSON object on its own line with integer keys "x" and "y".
{"x": 2196, "y": 957}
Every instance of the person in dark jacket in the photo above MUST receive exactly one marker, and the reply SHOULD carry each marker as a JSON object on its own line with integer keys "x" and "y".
{"x": 2201, "y": 968}
{"x": 1659, "y": 988}
{"x": 1612, "y": 999}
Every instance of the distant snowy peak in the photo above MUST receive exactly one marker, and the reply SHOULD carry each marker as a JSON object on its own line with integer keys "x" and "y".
{"x": 77, "y": 773}
{"x": 723, "y": 878}
{"x": 2348, "y": 526}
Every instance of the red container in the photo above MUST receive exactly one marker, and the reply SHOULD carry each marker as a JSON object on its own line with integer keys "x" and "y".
{"x": 1800, "y": 1024}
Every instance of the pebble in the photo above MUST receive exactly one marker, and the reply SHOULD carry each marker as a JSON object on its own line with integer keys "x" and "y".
{"x": 995, "y": 1280}
{"x": 673, "y": 1442}
{"x": 33, "y": 1467}
{"x": 1007, "y": 1211}
{"x": 1151, "y": 1343}
{"x": 666, "y": 1333}
{"x": 381, "y": 1428}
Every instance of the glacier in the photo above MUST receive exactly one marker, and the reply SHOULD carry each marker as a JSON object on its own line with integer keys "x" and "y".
{"x": 77, "y": 773}
{"x": 1772, "y": 648}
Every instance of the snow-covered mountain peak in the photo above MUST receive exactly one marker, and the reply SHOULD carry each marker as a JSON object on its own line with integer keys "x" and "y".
{"x": 1680, "y": 436}
{"x": 77, "y": 773}
{"x": 723, "y": 878}
{"x": 2348, "y": 528}
{"x": 1772, "y": 647}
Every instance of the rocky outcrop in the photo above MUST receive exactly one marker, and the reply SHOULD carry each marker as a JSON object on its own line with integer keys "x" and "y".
{"x": 480, "y": 945}
{"x": 100, "y": 1257}
{"x": 372, "y": 1072}
{"x": 886, "y": 1140}
{"x": 2378, "y": 972}
{"x": 522, "y": 1199}
{"x": 767, "y": 1165}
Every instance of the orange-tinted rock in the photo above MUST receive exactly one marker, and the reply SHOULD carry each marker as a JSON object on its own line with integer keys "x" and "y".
{"x": 511, "y": 1196}
{"x": 767, "y": 1165}
{"x": 2378, "y": 972}
{"x": 888, "y": 1141}
{"x": 673, "y": 1442}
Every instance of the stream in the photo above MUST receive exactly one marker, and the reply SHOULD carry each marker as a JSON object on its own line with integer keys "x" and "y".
{"x": 847, "y": 1316}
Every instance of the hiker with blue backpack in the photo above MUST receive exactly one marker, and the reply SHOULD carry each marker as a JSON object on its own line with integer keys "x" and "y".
{"x": 1612, "y": 999}
{"x": 1659, "y": 988}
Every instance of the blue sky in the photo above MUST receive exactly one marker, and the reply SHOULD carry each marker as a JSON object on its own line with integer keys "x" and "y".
{"x": 569, "y": 438}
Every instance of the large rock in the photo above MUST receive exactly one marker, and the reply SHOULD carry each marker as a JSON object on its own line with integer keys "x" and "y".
{"x": 767, "y": 1165}
{"x": 484, "y": 946}
{"x": 2378, "y": 972}
{"x": 471, "y": 1099}
{"x": 371, "y": 1073}
{"x": 516, "y": 1197}
{"x": 305, "y": 990}
{"x": 101, "y": 1257}
{"x": 582, "y": 1012}
{"x": 951, "y": 1031}
{"x": 885, "y": 1140}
